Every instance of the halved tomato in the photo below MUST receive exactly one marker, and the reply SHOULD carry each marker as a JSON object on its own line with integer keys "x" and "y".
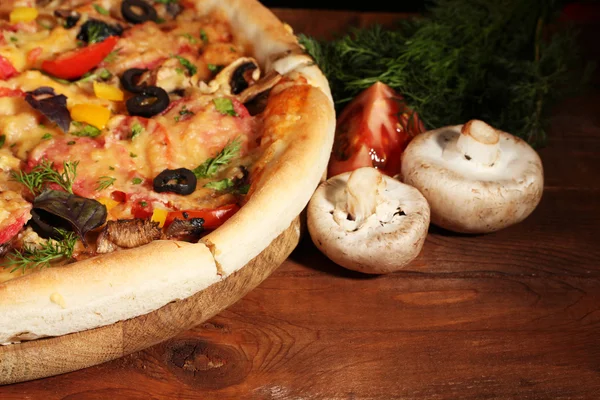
{"x": 372, "y": 131}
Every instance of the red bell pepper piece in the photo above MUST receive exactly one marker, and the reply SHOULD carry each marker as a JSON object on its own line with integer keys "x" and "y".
{"x": 7, "y": 70}
{"x": 213, "y": 217}
{"x": 74, "y": 64}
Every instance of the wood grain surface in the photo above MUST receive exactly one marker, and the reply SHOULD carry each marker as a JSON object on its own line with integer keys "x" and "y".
{"x": 509, "y": 315}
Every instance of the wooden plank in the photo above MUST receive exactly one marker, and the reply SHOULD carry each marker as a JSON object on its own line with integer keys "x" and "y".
{"x": 436, "y": 337}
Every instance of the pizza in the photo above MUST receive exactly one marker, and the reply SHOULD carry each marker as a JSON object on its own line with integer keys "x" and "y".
{"x": 149, "y": 149}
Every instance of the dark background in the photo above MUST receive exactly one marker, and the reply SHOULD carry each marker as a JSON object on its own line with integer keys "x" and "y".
{"x": 365, "y": 5}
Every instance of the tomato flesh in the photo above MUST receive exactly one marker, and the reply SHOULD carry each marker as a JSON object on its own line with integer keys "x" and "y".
{"x": 7, "y": 70}
{"x": 13, "y": 225}
{"x": 372, "y": 131}
{"x": 213, "y": 217}
{"x": 74, "y": 64}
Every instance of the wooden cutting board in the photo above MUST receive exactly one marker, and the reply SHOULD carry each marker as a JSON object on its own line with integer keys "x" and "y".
{"x": 53, "y": 356}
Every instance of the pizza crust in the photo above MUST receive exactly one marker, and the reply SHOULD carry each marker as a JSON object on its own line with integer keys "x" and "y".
{"x": 128, "y": 283}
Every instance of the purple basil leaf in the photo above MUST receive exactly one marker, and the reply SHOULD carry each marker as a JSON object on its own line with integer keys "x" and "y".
{"x": 53, "y": 107}
{"x": 82, "y": 214}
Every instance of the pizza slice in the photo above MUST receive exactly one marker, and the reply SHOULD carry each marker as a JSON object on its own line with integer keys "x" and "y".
{"x": 149, "y": 149}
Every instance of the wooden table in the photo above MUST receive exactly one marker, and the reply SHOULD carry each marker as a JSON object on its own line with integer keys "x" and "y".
{"x": 510, "y": 315}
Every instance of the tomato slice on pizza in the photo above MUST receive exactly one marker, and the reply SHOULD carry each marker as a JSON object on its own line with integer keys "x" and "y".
{"x": 127, "y": 125}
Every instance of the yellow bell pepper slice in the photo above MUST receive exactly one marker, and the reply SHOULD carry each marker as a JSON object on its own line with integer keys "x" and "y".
{"x": 108, "y": 202}
{"x": 159, "y": 215}
{"x": 108, "y": 92}
{"x": 23, "y": 14}
{"x": 91, "y": 114}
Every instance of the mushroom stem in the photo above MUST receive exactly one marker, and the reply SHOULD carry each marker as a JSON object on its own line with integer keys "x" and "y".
{"x": 362, "y": 193}
{"x": 479, "y": 142}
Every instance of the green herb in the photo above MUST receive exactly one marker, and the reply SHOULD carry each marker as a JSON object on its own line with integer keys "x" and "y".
{"x": 183, "y": 112}
{"x": 85, "y": 130}
{"x": 243, "y": 189}
{"x": 160, "y": 20}
{"x": 191, "y": 68}
{"x": 103, "y": 74}
{"x": 112, "y": 56}
{"x": 111, "y": 167}
{"x": 180, "y": 71}
{"x": 221, "y": 185}
{"x": 224, "y": 106}
{"x": 214, "y": 68}
{"x": 71, "y": 143}
{"x": 137, "y": 181}
{"x": 34, "y": 257}
{"x": 203, "y": 36}
{"x": 465, "y": 59}
{"x": 101, "y": 10}
{"x": 136, "y": 129}
{"x": 47, "y": 136}
{"x": 44, "y": 174}
{"x": 132, "y": 155}
{"x": 2, "y": 140}
{"x": 210, "y": 167}
{"x": 166, "y": 1}
{"x": 14, "y": 39}
{"x": 104, "y": 182}
{"x": 190, "y": 38}
{"x": 143, "y": 203}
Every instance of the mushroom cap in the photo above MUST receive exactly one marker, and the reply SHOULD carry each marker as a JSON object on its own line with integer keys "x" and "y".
{"x": 468, "y": 197}
{"x": 384, "y": 241}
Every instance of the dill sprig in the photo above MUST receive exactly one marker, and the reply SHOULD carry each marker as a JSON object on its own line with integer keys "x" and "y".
{"x": 44, "y": 174}
{"x": 464, "y": 59}
{"x": 105, "y": 182}
{"x": 41, "y": 257}
{"x": 211, "y": 166}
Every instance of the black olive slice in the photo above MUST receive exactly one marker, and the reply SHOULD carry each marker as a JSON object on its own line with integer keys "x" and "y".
{"x": 95, "y": 31}
{"x": 130, "y": 10}
{"x": 129, "y": 78}
{"x": 151, "y": 101}
{"x": 71, "y": 17}
{"x": 238, "y": 80}
{"x": 180, "y": 181}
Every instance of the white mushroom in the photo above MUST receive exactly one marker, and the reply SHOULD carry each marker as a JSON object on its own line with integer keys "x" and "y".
{"x": 368, "y": 222}
{"x": 477, "y": 179}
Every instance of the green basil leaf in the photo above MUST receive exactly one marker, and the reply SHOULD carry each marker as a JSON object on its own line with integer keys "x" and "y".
{"x": 82, "y": 214}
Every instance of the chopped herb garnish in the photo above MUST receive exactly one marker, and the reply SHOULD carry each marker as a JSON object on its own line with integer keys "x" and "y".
{"x": 104, "y": 182}
{"x": 14, "y": 39}
{"x": 85, "y": 130}
{"x": 137, "y": 181}
{"x": 112, "y": 56}
{"x": 111, "y": 167}
{"x": 203, "y": 36}
{"x": 44, "y": 174}
{"x": 180, "y": 71}
{"x": 183, "y": 112}
{"x": 225, "y": 106}
{"x": 136, "y": 129}
{"x": 42, "y": 256}
{"x": 160, "y": 20}
{"x": 221, "y": 185}
{"x": 191, "y": 68}
{"x": 166, "y": 1}
{"x": 214, "y": 68}
{"x": 143, "y": 203}
{"x": 190, "y": 38}
{"x": 101, "y": 10}
{"x": 132, "y": 155}
{"x": 71, "y": 143}
{"x": 244, "y": 189}
{"x": 2, "y": 140}
{"x": 47, "y": 136}
{"x": 211, "y": 166}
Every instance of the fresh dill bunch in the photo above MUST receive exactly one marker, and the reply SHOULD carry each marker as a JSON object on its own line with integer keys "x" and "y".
{"x": 44, "y": 174}
{"x": 210, "y": 167}
{"x": 41, "y": 257}
{"x": 465, "y": 59}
